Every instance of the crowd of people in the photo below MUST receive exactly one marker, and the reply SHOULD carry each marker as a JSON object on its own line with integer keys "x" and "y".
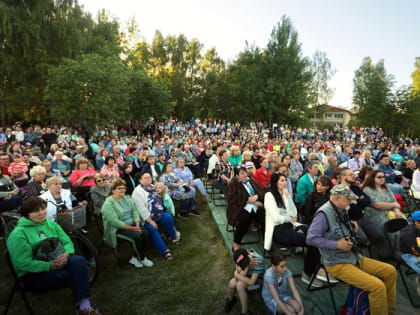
{"x": 303, "y": 188}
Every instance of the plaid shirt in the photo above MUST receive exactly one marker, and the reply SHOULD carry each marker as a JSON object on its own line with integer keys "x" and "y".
{"x": 223, "y": 168}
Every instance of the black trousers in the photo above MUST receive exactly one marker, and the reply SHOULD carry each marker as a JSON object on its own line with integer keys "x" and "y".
{"x": 286, "y": 234}
{"x": 244, "y": 221}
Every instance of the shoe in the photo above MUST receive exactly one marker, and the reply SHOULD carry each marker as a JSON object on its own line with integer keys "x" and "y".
{"x": 307, "y": 279}
{"x": 183, "y": 215}
{"x": 229, "y": 304}
{"x": 146, "y": 262}
{"x": 208, "y": 199}
{"x": 418, "y": 284}
{"x": 85, "y": 231}
{"x": 90, "y": 311}
{"x": 299, "y": 250}
{"x": 134, "y": 261}
{"x": 178, "y": 236}
{"x": 322, "y": 275}
{"x": 195, "y": 212}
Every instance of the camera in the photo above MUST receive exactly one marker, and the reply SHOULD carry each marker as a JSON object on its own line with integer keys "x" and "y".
{"x": 355, "y": 248}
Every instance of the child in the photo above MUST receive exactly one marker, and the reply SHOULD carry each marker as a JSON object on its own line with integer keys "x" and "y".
{"x": 410, "y": 246}
{"x": 17, "y": 171}
{"x": 249, "y": 271}
{"x": 274, "y": 291}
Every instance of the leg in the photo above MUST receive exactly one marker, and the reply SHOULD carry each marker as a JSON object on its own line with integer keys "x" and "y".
{"x": 232, "y": 288}
{"x": 294, "y": 305}
{"x": 168, "y": 222}
{"x": 156, "y": 238}
{"x": 285, "y": 234}
{"x": 136, "y": 239}
{"x": 260, "y": 218}
{"x": 199, "y": 184}
{"x": 362, "y": 279}
{"x": 241, "y": 287}
{"x": 183, "y": 203}
{"x": 412, "y": 261}
{"x": 193, "y": 191}
{"x": 373, "y": 232}
{"x": 244, "y": 221}
{"x": 311, "y": 260}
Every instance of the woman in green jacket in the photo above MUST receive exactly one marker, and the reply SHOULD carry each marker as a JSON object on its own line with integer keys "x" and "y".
{"x": 121, "y": 219}
{"x": 42, "y": 256}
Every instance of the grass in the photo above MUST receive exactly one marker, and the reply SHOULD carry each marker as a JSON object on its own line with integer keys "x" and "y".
{"x": 194, "y": 282}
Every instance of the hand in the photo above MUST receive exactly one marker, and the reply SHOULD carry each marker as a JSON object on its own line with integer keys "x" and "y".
{"x": 344, "y": 244}
{"x": 355, "y": 225}
{"x": 285, "y": 192}
{"x": 398, "y": 213}
{"x": 253, "y": 199}
{"x": 153, "y": 223}
{"x": 294, "y": 219}
{"x": 396, "y": 205}
{"x": 60, "y": 261}
{"x": 13, "y": 193}
{"x": 136, "y": 229}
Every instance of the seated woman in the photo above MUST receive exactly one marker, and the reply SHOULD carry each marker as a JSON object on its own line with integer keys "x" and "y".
{"x": 178, "y": 190}
{"x": 99, "y": 192}
{"x": 49, "y": 171}
{"x": 273, "y": 159}
{"x": 36, "y": 185}
{"x": 235, "y": 157}
{"x": 61, "y": 165}
{"x": 121, "y": 219}
{"x": 282, "y": 168}
{"x": 223, "y": 172}
{"x": 150, "y": 207}
{"x": 187, "y": 177}
{"x": 127, "y": 176}
{"x": 151, "y": 167}
{"x": 47, "y": 270}
{"x": 263, "y": 174}
{"x": 110, "y": 169}
{"x": 9, "y": 193}
{"x": 383, "y": 204}
{"x": 81, "y": 178}
{"x": 100, "y": 158}
{"x": 319, "y": 196}
{"x": 245, "y": 204}
{"x": 281, "y": 225}
{"x": 56, "y": 195}
{"x": 295, "y": 167}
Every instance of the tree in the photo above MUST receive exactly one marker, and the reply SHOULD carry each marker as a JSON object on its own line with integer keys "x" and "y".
{"x": 372, "y": 95}
{"x": 92, "y": 91}
{"x": 416, "y": 76}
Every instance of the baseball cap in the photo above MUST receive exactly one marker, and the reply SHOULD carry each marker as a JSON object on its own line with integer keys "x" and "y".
{"x": 249, "y": 165}
{"x": 240, "y": 256}
{"x": 415, "y": 216}
{"x": 343, "y": 190}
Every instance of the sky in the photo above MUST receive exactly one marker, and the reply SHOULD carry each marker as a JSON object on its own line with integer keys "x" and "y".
{"x": 347, "y": 31}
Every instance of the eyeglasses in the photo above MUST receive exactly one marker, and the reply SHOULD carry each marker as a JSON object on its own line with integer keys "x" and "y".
{"x": 100, "y": 180}
{"x": 121, "y": 188}
{"x": 379, "y": 177}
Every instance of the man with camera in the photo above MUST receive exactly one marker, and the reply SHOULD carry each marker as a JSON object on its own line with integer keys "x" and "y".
{"x": 335, "y": 236}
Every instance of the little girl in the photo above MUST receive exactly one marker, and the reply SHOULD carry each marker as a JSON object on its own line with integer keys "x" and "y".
{"x": 274, "y": 291}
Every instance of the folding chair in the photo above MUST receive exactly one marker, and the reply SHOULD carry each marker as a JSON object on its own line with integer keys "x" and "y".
{"x": 17, "y": 286}
{"x": 393, "y": 226}
{"x": 412, "y": 198}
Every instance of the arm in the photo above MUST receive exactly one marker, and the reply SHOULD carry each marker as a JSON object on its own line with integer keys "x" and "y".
{"x": 295, "y": 292}
{"x": 111, "y": 216}
{"x": 279, "y": 303}
{"x": 141, "y": 204}
{"x": 249, "y": 281}
{"x": 271, "y": 209}
{"x": 316, "y": 231}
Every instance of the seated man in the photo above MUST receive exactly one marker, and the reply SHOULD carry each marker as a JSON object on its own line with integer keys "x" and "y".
{"x": 354, "y": 164}
{"x": 332, "y": 164}
{"x": 390, "y": 176}
{"x": 332, "y": 232}
{"x": 245, "y": 204}
{"x": 223, "y": 172}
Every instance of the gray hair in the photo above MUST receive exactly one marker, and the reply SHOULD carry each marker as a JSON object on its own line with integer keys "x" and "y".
{"x": 311, "y": 164}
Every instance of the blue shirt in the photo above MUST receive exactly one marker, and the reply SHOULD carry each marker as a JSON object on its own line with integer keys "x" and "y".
{"x": 279, "y": 282}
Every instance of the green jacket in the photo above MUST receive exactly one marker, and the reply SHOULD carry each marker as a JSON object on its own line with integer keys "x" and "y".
{"x": 26, "y": 236}
{"x": 112, "y": 215}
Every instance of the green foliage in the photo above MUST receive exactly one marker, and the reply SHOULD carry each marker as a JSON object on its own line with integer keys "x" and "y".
{"x": 91, "y": 91}
{"x": 416, "y": 76}
{"x": 322, "y": 73}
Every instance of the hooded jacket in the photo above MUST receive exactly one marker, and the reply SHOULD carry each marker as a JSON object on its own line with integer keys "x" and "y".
{"x": 26, "y": 236}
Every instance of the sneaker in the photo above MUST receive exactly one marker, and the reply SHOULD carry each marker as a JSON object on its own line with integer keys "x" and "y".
{"x": 90, "y": 311}
{"x": 146, "y": 262}
{"x": 183, "y": 215}
{"x": 229, "y": 304}
{"x": 307, "y": 279}
{"x": 322, "y": 275}
{"x": 178, "y": 236}
{"x": 134, "y": 261}
{"x": 418, "y": 284}
{"x": 195, "y": 212}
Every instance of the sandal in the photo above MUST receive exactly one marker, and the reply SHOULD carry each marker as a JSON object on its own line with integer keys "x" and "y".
{"x": 167, "y": 255}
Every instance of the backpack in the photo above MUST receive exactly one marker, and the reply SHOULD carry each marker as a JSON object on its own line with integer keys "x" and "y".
{"x": 357, "y": 302}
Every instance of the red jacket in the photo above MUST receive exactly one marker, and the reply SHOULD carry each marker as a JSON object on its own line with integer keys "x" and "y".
{"x": 261, "y": 178}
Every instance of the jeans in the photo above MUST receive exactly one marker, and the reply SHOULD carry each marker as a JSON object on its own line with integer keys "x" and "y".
{"x": 168, "y": 222}
{"x": 74, "y": 275}
{"x": 244, "y": 221}
{"x": 374, "y": 276}
{"x": 396, "y": 188}
{"x": 199, "y": 185}
{"x": 412, "y": 261}
{"x": 10, "y": 204}
{"x": 186, "y": 204}
{"x": 135, "y": 238}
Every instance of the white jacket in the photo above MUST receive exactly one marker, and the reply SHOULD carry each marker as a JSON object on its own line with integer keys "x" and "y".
{"x": 274, "y": 217}
{"x": 140, "y": 199}
{"x": 51, "y": 209}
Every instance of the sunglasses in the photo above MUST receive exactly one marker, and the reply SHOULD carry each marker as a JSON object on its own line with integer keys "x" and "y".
{"x": 100, "y": 180}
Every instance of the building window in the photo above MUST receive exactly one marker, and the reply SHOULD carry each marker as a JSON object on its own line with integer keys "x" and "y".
{"x": 339, "y": 116}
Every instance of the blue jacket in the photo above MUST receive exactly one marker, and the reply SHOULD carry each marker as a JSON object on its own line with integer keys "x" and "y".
{"x": 54, "y": 164}
{"x": 388, "y": 172}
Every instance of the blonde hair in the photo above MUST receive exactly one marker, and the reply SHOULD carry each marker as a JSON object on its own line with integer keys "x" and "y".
{"x": 234, "y": 148}
{"x": 245, "y": 154}
{"x": 117, "y": 182}
{"x": 58, "y": 153}
{"x": 54, "y": 180}
{"x": 37, "y": 170}
{"x": 165, "y": 189}
{"x": 100, "y": 176}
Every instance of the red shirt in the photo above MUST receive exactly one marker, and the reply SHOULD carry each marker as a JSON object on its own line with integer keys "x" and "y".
{"x": 261, "y": 178}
